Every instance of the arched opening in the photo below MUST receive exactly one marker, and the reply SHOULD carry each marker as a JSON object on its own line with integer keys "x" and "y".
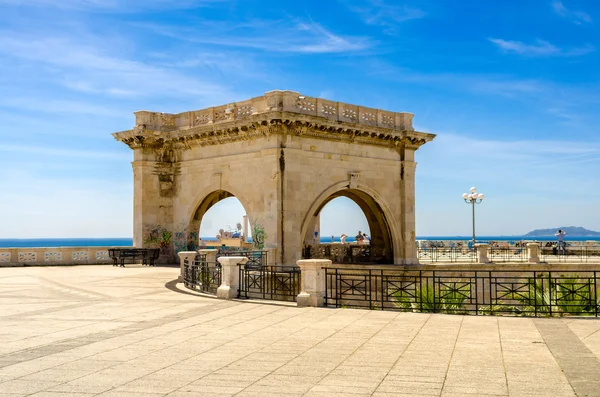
{"x": 368, "y": 217}
{"x": 220, "y": 220}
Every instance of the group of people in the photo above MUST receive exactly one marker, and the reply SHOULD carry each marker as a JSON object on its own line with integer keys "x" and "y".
{"x": 361, "y": 238}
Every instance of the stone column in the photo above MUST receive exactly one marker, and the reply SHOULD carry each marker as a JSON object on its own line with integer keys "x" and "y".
{"x": 230, "y": 275}
{"x": 313, "y": 282}
{"x": 408, "y": 249}
{"x": 246, "y": 228}
{"x": 153, "y": 205}
{"x": 533, "y": 252}
{"x": 482, "y": 253}
{"x": 211, "y": 255}
{"x": 185, "y": 257}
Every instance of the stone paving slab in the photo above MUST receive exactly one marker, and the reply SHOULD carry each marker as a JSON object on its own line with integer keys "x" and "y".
{"x": 106, "y": 331}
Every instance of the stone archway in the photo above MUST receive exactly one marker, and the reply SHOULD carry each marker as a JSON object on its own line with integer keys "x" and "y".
{"x": 202, "y": 208}
{"x": 287, "y": 155}
{"x": 379, "y": 218}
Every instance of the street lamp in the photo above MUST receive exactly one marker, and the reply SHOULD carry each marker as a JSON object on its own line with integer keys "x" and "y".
{"x": 473, "y": 198}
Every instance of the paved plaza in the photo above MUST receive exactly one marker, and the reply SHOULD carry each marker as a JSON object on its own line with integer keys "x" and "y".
{"x": 136, "y": 332}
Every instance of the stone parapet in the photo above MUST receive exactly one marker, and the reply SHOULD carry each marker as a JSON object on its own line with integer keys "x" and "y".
{"x": 482, "y": 253}
{"x": 48, "y": 256}
{"x": 533, "y": 250}
{"x": 279, "y": 101}
{"x": 295, "y": 112}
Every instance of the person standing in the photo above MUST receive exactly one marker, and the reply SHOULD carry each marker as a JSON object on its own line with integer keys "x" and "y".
{"x": 343, "y": 238}
{"x": 366, "y": 239}
{"x": 560, "y": 236}
{"x": 359, "y": 237}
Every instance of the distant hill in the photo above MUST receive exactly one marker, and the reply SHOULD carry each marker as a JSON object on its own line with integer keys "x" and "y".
{"x": 570, "y": 230}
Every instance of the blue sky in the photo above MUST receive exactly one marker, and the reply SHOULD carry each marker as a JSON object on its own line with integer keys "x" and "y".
{"x": 511, "y": 88}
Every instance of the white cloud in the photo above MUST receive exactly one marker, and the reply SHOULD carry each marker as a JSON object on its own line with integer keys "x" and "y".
{"x": 286, "y": 36}
{"x": 111, "y": 5}
{"x": 541, "y": 48}
{"x": 577, "y": 17}
{"x": 528, "y": 184}
{"x": 56, "y": 152}
{"x": 493, "y": 84}
{"x": 60, "y": 106}
{"x": 500, "y": 157}
{"x": 92, "y": 69}
{"x": 385, "y": 14}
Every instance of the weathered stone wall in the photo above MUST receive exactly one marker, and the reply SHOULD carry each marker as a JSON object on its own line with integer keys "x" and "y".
{"x": 284, "y": 156}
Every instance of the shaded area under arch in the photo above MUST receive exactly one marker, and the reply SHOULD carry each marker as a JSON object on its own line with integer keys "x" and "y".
{"x": 380, "y": 249}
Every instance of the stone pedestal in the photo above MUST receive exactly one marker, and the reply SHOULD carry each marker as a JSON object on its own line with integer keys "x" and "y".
{"x": 230, "y": 283}
{"x": 313, "y": 282}
{"x": 185, "y": 257}
{"x": 533, "y": 250}
{"x": 482, "y": 253}
{"x": 211, "y": 254}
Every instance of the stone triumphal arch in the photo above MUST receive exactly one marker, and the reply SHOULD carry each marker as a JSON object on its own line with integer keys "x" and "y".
{"x": 284, "y": 156}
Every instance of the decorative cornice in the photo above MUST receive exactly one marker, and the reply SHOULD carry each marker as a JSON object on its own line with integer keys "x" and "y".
{"x": 278, "y": 112}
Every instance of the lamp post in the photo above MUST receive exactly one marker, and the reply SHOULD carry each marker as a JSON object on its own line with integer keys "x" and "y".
{"x": 473, "y": 198}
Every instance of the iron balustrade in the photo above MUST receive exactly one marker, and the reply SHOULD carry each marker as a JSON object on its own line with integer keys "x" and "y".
{"x": 507, "y": 254}
{"x": 202, "y": 275}
{"x": 446, "y": 254}
{"x": 529, "y": 293}
{"x": 571, "y": 253}
{"x": 347, "y": 253}
{"x": 280, "y": 283}
{"x": 256, "y": 259}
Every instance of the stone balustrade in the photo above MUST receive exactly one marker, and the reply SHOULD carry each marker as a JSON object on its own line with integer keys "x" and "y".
{"x": 40, "y": 256}
{"x": 285, "y": 101}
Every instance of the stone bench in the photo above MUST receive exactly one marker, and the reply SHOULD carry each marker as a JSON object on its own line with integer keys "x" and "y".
{"x": 121, "y": 256}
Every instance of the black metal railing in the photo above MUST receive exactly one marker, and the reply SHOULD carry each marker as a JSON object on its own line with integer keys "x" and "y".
{"x": 202, "y": 275}
{"x": 256, "y": 259}
{"x": 508, "y": 254}
{"x": 528, "y": 293}
{"x": 269, "y": 282}
{"x": 436, "y": 254}
{"x": 347, "y": 253}
{"x": 570, "y": 253}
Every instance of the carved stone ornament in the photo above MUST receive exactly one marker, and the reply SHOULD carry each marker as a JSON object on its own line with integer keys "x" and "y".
{"x": 353, "y": 177}
{"x": 278, "y": 112}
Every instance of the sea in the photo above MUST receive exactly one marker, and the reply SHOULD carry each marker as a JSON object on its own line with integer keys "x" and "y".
{"x": 128, "y": 241}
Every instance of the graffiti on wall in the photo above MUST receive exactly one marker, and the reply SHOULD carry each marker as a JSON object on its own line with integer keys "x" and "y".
{"x": 185, "y": 241}
{"x": 159, "y": 237}
{"x": 259, "y": 236}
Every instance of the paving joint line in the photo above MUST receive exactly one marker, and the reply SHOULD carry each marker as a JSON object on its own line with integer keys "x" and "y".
{"x": 219, "y": 346}
{"x": 38, "y": 352}
{"x": 502, "y": 355}
{"x": 566, "y": 349}
{"x": 405, "y": 348}
{"x": 451, "y": 356}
